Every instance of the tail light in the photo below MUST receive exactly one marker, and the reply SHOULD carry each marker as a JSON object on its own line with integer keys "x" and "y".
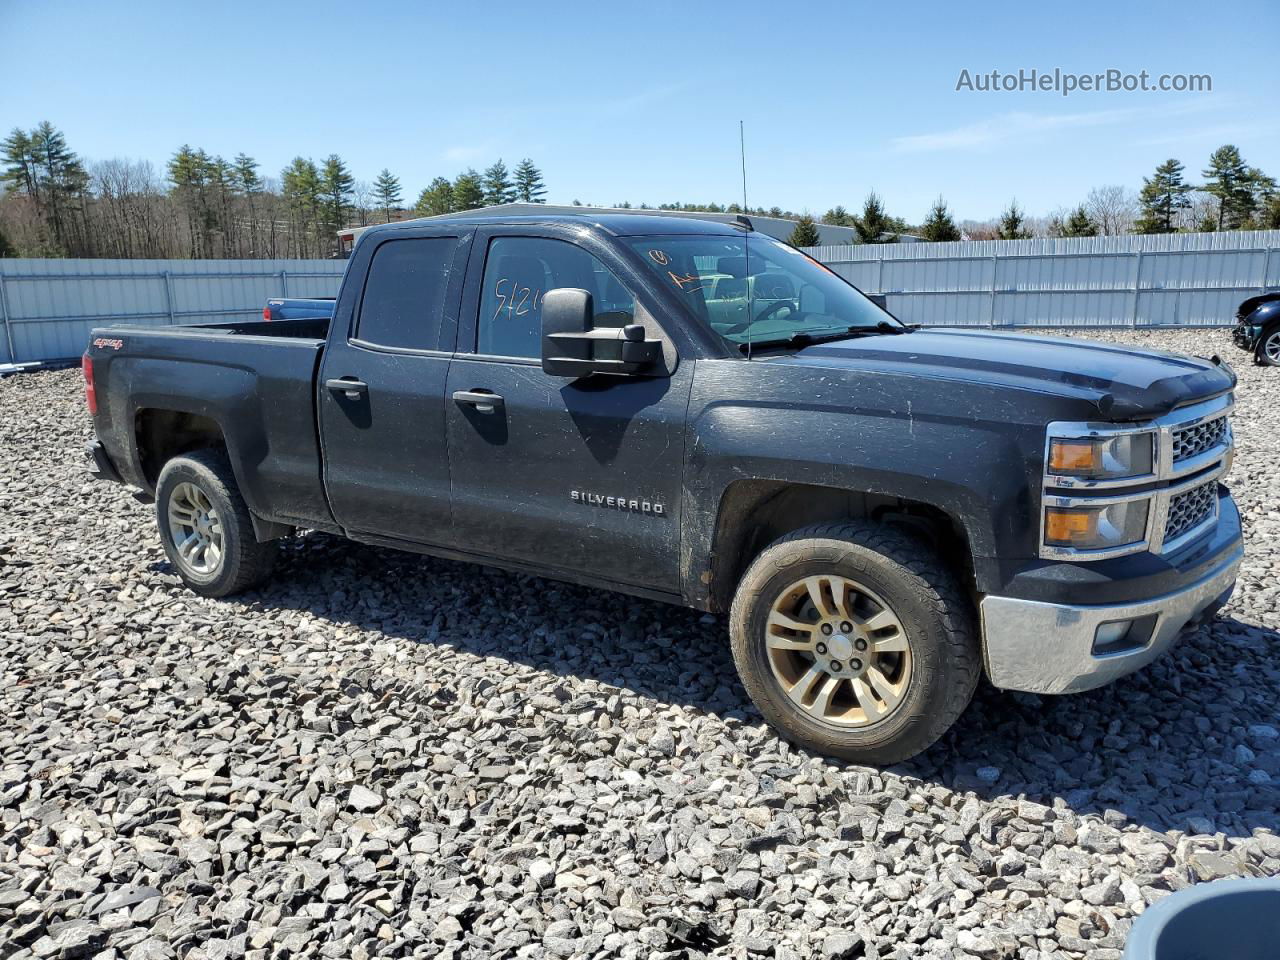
{"x": 266, "y": 312}
{"x": 90, "y": 391}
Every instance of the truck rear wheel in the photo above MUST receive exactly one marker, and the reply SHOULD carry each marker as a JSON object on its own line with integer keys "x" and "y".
{"x": 855, "y": 641}
{"x": 205, "y": 526}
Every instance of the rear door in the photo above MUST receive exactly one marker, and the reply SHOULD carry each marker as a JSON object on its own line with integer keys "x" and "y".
{"x": 581, "y": 476}
{"x": 382, "y": 388}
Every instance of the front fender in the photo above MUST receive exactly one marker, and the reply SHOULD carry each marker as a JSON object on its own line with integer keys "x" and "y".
{"x": 974, "y": 469}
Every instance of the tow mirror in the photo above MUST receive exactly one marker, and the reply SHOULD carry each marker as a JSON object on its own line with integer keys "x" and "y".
{"x": 573, "y": 347}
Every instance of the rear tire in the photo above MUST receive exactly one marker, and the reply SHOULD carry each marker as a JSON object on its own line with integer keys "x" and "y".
{"x": 854, "y": 640}
{"x": 206, "y": 528}
{"x": 1268, "y": 352}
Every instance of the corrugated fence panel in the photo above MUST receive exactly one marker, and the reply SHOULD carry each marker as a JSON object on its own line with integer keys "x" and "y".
{"x": 1175, "y": 279}
{"x": 48, "y": 307}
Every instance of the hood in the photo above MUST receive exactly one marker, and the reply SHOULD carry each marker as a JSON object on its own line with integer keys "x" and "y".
{"x": 1121, "y": 383}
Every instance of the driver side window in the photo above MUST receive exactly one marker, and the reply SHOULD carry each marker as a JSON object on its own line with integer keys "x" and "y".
{"x": 518, "y": 272}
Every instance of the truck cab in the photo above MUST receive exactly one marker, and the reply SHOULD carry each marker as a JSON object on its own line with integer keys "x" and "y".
{"x": 700, "y": 414}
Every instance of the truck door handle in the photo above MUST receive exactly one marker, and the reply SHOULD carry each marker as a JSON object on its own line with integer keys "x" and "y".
{"x": 352, "y": 388}
{"x": 484, "y": 401}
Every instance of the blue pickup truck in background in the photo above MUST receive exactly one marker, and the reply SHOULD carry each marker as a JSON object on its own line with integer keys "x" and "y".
{"x": 295, "y": 308}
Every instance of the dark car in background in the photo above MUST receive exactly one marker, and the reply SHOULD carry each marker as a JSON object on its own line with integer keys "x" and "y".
{"x": 1257, "y": 328}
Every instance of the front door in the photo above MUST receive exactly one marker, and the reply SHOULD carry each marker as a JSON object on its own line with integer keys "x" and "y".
{"x": 382, "y": 392}
{"x": 582, "y": 476}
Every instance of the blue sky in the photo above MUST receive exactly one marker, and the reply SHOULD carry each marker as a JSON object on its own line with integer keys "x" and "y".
{"x": 641, "y": 102}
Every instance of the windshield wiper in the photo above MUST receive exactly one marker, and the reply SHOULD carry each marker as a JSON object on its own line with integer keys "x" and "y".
{"x": 807, "y": 339}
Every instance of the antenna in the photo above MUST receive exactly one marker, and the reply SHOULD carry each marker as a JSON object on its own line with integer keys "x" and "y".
{"x": 746, "y": 251}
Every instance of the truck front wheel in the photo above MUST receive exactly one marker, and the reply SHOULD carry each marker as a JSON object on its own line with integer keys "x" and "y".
{"x": 205, "y": 526}
{"x": 854, "y": 640}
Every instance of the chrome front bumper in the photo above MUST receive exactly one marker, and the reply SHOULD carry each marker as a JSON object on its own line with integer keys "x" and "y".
{"x": 1050, "y": 648}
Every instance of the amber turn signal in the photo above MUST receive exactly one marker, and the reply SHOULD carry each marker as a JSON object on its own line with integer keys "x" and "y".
{"x": 1075, "y": 456}
{"x": 1066, "y": 527}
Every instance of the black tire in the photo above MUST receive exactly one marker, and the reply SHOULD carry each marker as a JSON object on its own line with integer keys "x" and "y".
{"x": 934, "y": 613}
{"x": 1268, "y": 350}
{"x": 243, "y": 561}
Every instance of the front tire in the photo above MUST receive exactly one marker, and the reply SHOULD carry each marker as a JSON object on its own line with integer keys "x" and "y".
{"x": 1268, "y": 352}
{"x": 206, "y": 528}
{"x": 855, "y": 641}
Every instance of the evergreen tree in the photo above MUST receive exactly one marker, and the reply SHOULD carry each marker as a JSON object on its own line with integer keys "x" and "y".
{"x": 805, "y": 234}
{"x": 1269, "y": 218}
{"x": 529, "y": 187}
{"x": 42, "y": 166}
{"x": 1012, "y": 222}
{"x": 246, "y": 175}
{"x": 1163, "y": 196}
{"x": 336, "y": 185}
{"x": 190, "y": 172}
{"x": 301, "y": 188}
{"x": 436, "y": 199}
{"x": 497, "y": 185}
{"x": 1228, "y": 179}
{"x": 1263, "y": 190}
{"x": 838, "y": 216}
{"x": 1079, "y": 224}
{"x": 874, "y": 226}
{"x": 386, "y": 191}
{"x": 20, "y": 165}
{"x": 468, "y": 191}
{"x": 938, "y": 227}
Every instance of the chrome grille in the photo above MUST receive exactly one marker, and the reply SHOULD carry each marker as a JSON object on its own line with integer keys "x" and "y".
{"x": 1188, "y": 510}
{"x": 1190, "y": 442}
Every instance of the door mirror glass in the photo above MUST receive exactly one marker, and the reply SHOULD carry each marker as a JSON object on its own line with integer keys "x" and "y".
{"x": 573, "y": 347}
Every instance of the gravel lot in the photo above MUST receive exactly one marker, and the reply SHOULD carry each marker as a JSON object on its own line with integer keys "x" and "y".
{"x": 386, "y": 755}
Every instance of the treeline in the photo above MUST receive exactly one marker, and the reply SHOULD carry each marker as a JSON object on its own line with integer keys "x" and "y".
{"x": 1233, "y": 196}
{"x": 201, "y": 205}
{"x": 53, "y": 204}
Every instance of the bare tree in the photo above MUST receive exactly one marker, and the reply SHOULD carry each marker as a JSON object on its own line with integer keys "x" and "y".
{"x": 1113, "y": 209}
{"x": 363, "y": 201}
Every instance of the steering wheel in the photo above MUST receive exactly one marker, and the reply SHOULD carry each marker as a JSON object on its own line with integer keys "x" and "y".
{"x": 795, "y": 315}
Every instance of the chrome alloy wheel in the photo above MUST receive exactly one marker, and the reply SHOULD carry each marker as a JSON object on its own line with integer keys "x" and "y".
{"x": 195, "y": 529}
{"x": 1271, "y": 348}
{"x": 838, "y": 650}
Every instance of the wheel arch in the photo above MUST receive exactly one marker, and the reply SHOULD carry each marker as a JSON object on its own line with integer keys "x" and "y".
{"x": 160, "y": 434}
{"x": 752, "y": 513}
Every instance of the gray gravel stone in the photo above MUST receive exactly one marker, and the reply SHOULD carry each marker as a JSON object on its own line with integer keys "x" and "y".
{"x": 379, "y": 755}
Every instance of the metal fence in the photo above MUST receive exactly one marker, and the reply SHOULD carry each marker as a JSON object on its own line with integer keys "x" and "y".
{"x": 1193, "y": 279}
{"x": 48, "y": 307}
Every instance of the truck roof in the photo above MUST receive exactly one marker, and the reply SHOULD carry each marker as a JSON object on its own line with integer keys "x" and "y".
{"x": 617, "y": 224}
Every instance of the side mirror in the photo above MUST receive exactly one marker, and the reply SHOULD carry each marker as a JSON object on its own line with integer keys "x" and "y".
{"x": 572, "y": 347}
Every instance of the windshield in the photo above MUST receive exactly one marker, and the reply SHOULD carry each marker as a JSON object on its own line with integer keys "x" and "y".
{"x": 756, "y": 289}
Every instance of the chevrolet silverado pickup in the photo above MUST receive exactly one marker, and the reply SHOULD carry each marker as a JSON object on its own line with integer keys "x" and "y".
{"x": 697, "y": 413}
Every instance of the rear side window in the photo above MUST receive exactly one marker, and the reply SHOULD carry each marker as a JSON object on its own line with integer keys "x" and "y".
{"x": 404, "y": 293}
{"x": 519, "y": 271}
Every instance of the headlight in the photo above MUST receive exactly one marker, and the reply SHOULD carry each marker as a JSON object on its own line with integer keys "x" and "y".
{"x": 1102, "y": 458}
{"x": 1096, "y": 527}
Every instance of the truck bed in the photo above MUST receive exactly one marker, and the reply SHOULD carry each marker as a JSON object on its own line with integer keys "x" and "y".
{"x": 255, "y": 380}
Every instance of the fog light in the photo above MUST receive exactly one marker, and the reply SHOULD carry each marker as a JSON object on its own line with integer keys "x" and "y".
{"x": 1111, "y": 636}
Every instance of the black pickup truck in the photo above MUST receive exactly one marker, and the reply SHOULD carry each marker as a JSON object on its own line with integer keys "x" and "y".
{"x": 700, "y": 414}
